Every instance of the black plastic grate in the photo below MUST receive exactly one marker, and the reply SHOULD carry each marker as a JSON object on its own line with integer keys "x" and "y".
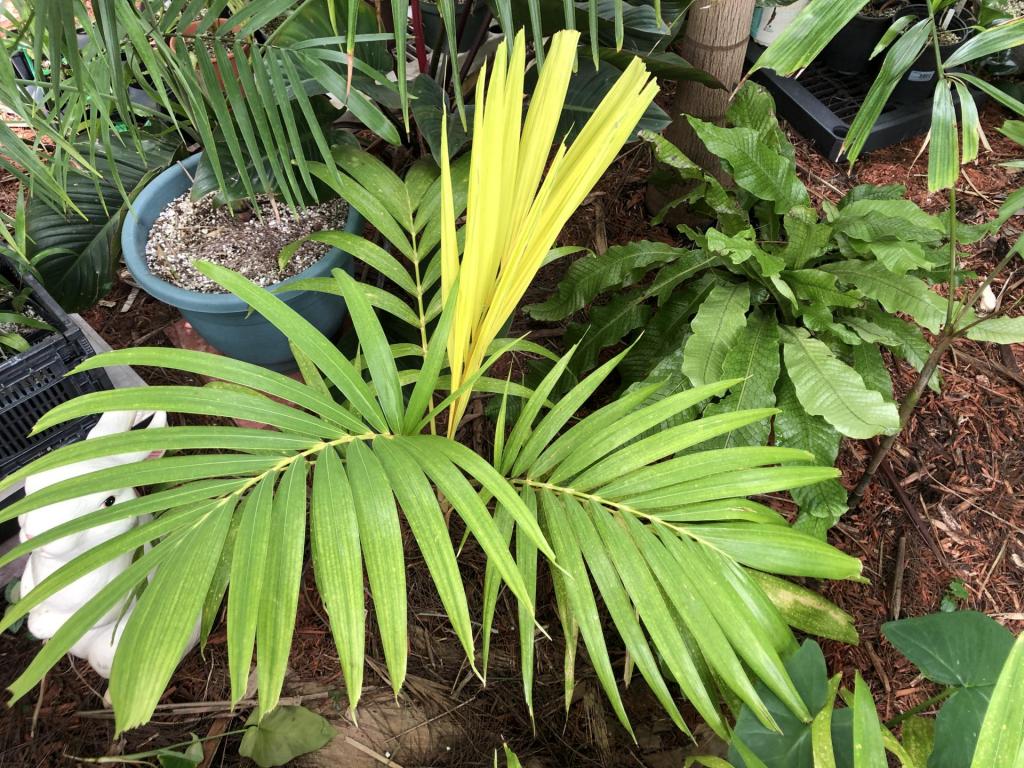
{"x": 35, "y": 381}
{"x": 821, "y": 103}
{"x": 841, "y": 94}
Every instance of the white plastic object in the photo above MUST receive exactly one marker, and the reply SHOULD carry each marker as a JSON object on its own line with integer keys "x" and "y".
{"x": 98, "y": 645}
{"x": 774, "y": 19}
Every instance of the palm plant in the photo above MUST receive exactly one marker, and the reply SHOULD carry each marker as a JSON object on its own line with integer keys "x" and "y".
{"x": 225, "y": 489}
{"x": 360, "y": 432}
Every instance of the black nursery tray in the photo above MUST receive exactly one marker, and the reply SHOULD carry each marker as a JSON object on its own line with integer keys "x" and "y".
{"x": 34, "y": 381}
{"x": 821, "y": 105}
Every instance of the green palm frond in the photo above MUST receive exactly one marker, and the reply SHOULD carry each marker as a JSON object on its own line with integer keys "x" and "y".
{"x": 632, "y": 514}
{"x": 369, "y": 473}
{"x": 262, "y": 107}
{"x": 668, "y": 538}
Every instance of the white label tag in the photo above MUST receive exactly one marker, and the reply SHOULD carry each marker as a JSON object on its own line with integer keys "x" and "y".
{"x": 917, "y": 76}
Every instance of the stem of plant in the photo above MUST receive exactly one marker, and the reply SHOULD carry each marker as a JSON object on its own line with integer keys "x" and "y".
{"x": 922, "y": 707}
{"x": 906, "y": 408}
{"x": 417, "y": 30}
{"x": 946, "y": 337}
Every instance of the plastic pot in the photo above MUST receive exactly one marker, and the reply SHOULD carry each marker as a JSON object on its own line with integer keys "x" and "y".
{"x": 223, "y": 319}
{"x": 918, "y": 84}
{"x": 770, "y": 21}
{"x": 849, "y": 52}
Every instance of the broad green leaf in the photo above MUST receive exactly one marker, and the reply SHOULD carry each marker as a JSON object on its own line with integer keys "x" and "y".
{"x": 743, "y": 246}
{"x": 963, "y": 648}
{"x": 871, "y": 220}
{"x": 999, "y": 330}
{"x": 664, "y": 65}
{"x": 754, "y": 166}
{"x": 754, "y": 357}
{"x": 715, "y": 329}
{"x": 829, "y": 388}
{"x": 279, "y": 737}
{"x": 957, "y": 727}
{"x": 790, "y": 747}
{"x": 76, "y": 252}
{"x": 807, "y": 238}
{"x": 868, "y": 749}
{"x": 825, "y": 502}
{"x": 944, "y": 151}
{"x": 1001, "y": 740}
{"x": 619, "y": 267}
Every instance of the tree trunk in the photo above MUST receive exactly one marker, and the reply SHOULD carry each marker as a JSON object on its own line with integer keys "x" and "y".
{"x": 715, "y": 40}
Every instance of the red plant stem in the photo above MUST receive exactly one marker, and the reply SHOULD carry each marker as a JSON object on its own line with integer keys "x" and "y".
{"x": 417, "y": 31}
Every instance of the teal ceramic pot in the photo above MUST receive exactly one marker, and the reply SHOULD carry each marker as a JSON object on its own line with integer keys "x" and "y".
{"x": 221, "y": 318}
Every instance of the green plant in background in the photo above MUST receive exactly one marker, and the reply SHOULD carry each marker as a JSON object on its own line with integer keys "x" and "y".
{"x": 795, "y": 303}
{"x": 972, "y": 658}
{"x": 972, "y": 313}
{"x": 139, "y": 80}
{"x": 298, "y": 66}
{"x": 15, "y": 314}
{"x": 955, "y": 594}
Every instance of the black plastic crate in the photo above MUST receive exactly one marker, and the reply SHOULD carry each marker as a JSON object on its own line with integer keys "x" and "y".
{"x": 34, "y": 381}
{"x": 821, "y": 105}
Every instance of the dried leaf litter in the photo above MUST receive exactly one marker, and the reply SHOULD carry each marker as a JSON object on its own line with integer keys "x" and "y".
{"x": 188, "y": 230}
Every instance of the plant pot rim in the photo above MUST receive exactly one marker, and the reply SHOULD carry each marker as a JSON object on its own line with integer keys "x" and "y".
{"x": 183, "y": 298}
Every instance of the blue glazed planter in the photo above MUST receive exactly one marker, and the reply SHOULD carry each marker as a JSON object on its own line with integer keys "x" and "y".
{"x": 222, "y": 319}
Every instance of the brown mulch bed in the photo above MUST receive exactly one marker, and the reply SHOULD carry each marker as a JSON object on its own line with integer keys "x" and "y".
{"x": 957, "y": 470}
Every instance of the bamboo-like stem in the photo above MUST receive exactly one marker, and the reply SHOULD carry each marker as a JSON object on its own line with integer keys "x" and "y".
{"x": 906, "y": 408}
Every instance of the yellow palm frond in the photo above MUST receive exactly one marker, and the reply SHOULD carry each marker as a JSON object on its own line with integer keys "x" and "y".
{"x": 514, "y": 209}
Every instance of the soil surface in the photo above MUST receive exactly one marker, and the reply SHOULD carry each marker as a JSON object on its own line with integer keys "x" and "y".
{"x": 948, "y": 507}
{"x": 188, "y": 230}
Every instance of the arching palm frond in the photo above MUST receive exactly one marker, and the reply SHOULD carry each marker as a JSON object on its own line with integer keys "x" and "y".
{"x": 240, "y": 495}
{"x": 678, "y": 555}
